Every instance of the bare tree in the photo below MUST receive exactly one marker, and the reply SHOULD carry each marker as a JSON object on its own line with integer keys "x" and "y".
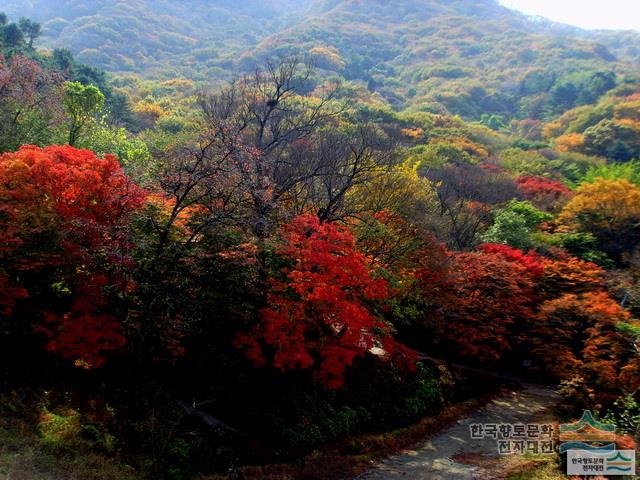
{"x": 265, "y": 153}
{"x": 265, "y": 117}
{"x": 465, "y": 194}
{"x": 203, "y": 181}
{"x": 30, "y": 105}
{"x": 344, "y": 160}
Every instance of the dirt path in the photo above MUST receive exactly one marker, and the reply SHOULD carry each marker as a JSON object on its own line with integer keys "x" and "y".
{"x": 439, "y": 458}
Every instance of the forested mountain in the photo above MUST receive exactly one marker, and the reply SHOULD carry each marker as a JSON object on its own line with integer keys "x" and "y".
{"x": 468, "y": 57}
{"x": 464, "y": 57}
{"x": 158, "y": 36}
{"x": 283, "y": 276}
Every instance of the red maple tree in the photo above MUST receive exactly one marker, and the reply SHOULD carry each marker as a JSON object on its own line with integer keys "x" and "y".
{"x": 531, "y": 261}
{"x": 64, "y": 215}
{"x": 543, "y": 192}
{"x": 324, "y": 311}
{"x": 494, "y": 297}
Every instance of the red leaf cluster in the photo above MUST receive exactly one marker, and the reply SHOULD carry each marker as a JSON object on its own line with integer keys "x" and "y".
{"x": 321, "y": 314}
{"x": 84, "y": 333}
{"x": 531, "y": 261}
{"x": 63, "y": 216}
{"x": 543, "y": 192}
{"x": 493, "y": 296}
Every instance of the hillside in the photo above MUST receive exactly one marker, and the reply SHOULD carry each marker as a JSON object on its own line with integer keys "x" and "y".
{"x": 466, "y": 57}
{"x": 320, "y": 264}
{"x": 463, "y": 57}
{"x": 156, "y": 37}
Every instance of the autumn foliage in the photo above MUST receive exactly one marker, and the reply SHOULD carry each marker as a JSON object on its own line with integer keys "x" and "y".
{"x": 494, "y": 296}
{"x": 577, "y": 334}
{"x": 501, "y": 300}
{"x": 322, "y": 313}
{"x": 479, "y": 303}
{"x": 570, "y": 275}
{"x": 609, "y": 210}
{"x": 603, "y": 203}
{"x": 530, "y": 261}
{"x": 543, "y": 192}
{"x": 85, "y": 333}
{"x": 29, "y": 104}
{"x": 64, "y": 215}
{"x": 305, "y": 263}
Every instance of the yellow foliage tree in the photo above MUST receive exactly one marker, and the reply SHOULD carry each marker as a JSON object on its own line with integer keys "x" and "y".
{"x": 400, "y": 190}
{"x": 571, "y": 142}
{"x": 629, "y": 109}
{"x": 148, "y": 114}
{"x": 610, "y": 210}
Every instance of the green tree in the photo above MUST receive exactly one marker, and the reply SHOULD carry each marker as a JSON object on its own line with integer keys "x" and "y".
{"x": 597, "y": 85}
{"x": 12, "y": 35}
{"x": 564, "y": 96}
{"x": 582, "y": 245}
{"x": 132, "y": 152}
{"x": 514, "y": 224}
{"x": 82, "y": 103}
{"x": 613, "y": 140}
{"x": 31, "y": 29}
{"x": 614, "y": 171}
{"x": 494, "y": 122}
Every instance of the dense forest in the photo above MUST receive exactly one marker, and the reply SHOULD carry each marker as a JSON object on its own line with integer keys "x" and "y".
{"x": 258, "y": 239}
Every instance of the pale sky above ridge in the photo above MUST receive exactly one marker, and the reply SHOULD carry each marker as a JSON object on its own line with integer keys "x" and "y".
{"x": 590, "y": 14}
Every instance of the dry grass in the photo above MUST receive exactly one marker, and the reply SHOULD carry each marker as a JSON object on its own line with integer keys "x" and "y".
{"x": 516, "y": 467}
{"x": 541, "y": 468}
{"x": 24, "y": 456}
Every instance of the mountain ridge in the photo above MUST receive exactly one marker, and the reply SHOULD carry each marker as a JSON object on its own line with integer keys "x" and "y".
{"x": 466, "y": 57}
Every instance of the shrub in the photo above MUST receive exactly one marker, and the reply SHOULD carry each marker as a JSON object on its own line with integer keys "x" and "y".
{"x": 61, "y": 430}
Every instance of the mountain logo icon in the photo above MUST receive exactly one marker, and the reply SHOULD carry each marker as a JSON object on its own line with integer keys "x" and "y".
{"x": 582, "y": 434}
{"x": 619, "y": 463}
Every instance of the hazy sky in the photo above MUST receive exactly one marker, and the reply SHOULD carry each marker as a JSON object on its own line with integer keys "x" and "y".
{"x": 624, "y": 14}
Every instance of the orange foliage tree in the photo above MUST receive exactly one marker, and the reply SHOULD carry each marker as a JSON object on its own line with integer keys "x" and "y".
{"x": 567, "y": 274}
{"x": 571, "y": 142}
{"x": 578, "y": 334}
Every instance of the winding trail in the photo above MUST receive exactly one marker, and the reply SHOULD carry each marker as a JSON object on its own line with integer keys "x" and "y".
{"x": 439, "y": 458}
